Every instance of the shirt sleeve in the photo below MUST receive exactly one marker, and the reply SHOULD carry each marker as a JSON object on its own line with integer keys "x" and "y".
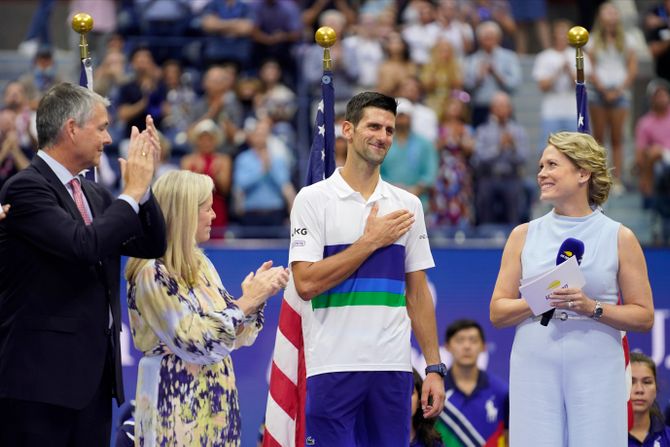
{"x": 307, "y": 227}
{"x": 417, "y": 249}
{"x": 196, "y": 335}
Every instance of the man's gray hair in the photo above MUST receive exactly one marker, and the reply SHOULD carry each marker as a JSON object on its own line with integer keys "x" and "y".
{"x": 63, "y": 102}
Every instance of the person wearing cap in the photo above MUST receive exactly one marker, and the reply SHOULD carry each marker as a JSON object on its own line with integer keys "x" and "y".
{"x": 412, "y": 161}
{"x": 206, "y": 139}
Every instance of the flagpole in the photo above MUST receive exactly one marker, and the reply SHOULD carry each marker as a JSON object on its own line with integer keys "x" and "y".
{"x": 82, "y": 23}
{"x": 578, "y": 36}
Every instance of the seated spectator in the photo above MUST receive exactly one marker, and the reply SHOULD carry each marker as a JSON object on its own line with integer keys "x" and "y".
{"x": 441, "y": 75}
{"x": 411, "y": 162}
{"x": 16, "y": 100}
{"x": 367, "y": 49}
{"x": 144, "y": 94}
{"x": 451, "y": 201}
{"x": 344, "y": 61}
{"x": 206, "y": 138}
{"x": 165, "y": 163}
{"x": 422, "y": 35}
{"x": 489, "y": 70}
{"x": 261, "y": 180}
{"x": 219, "y": 103}
{"x": 42, "y": 76}
{"x": 501, "y": 149}
{"x": 397, "y": 65}
{"x": 277, "y": 101}
{"x": 656, "y": 27}
{"x": 455, "y": 31}
{"x": 277, "y": 29}
{"x": 179, "y": 99}
{"x": 477, "y": 403}
{"x": 649, "y": 429}
{"x": 424, "y": 119}
{"x": 555, "y": 74}
{"x": 422, "y": 431}
{"x": 12, "y": 158}
{"x": 652, "y": 153}
{"x": 110, "y": 74}
{"x": 499, "y": 12}
{"x": 228, "y": 25}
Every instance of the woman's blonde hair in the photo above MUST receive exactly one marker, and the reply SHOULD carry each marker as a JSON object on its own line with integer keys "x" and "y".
{"x": 180, "y": 194}
{"x": 585, "y": 153}
{"x": 598, "y": 32}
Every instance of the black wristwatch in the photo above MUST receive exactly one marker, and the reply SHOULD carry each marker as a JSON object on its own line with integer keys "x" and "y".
{"x": 597, "y": 311}
{"x": 440, "y": 369}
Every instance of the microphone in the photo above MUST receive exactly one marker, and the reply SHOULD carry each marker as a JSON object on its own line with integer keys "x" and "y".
{"x": 569, "y": 248}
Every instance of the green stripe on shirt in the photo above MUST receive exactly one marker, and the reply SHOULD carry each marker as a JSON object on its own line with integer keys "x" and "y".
{"x": 358, "y": 299}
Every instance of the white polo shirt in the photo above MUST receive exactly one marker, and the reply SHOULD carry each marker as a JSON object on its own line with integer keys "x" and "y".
{"x": 362, "y": 323}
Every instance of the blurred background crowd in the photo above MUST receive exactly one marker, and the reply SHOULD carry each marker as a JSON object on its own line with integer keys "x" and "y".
{"x": 234, "y": 84}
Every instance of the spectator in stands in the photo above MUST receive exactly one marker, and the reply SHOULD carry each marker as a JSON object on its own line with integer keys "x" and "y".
{"x": 441, "y": 75}
{"x": 411, "y": 162}
{"x": 219, "y": 103}
{"x": 422, "y": 35}
{"x": 652, "y": 138}
{"x": 12, "y": 158}
{"x": 614, "y": 62}
{"x": 452, "y": 199}
{"x": 110, "y": 75}
{"x": 344, "y": 61}
{"x": 424, "y": 119}
{"x": 366, "y": 46}
{"x": 649, "y": 429}
{"x": 422, "y": 430}
{"x": 277, "y": 101}
{"x": 312, "y": 10}
{"x": 261, "y": 180}
{"x": 228, "y": 25}
{"x": 477, "y": 404}
{"x": 455, "y": 31}
{"x": 206, "y": 138}
{"x": 42, "y": 76}
{"x": 489, "y": 70}
{"x": 16, "y": 100}
{"x": 529, "y": 15}
{"x": 38, "y": 32}
{"x": 187, "y": 324}
{"x": 179, "y": 99}
{"x": 277, "y": 29}
{"x": 656, "y": 25}
{"x": 397, "y": 65}
{"x": 501, "y": 149}
{"x": 164, "y": 163}
{"x": 554, "y": 72}
{"x": 498, "y": 11}
{"x": 144, "y": 94}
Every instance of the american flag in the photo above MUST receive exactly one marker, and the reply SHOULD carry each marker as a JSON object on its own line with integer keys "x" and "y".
{"x": 285, "y": 411}
{"x": 583, "y": 127}
{"x": 86, "y": 80}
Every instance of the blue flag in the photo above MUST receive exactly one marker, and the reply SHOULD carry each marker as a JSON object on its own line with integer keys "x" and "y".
{"x": 322, "y": 153}
{"x": 582, "y": 109}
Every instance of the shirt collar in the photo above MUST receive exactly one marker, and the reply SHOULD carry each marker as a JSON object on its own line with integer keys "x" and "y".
{"x": 344, "y": 191}
{"x": 61, "y": 171}
{"x": 482, "y": 382}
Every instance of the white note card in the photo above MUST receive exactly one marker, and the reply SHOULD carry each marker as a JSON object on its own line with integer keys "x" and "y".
{"x": 536, "y": 290}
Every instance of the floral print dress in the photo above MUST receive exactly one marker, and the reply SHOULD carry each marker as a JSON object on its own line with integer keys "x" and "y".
{"x": 186, "y": 393}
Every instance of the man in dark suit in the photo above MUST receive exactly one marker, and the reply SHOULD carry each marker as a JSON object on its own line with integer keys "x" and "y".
{"x": 60, "y": 249}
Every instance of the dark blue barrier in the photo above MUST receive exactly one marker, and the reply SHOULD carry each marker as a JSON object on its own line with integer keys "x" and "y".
{"x": 463, "y": 282}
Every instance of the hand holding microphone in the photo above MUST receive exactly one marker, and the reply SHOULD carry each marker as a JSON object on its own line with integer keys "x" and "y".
{"x": 569, "y": 248}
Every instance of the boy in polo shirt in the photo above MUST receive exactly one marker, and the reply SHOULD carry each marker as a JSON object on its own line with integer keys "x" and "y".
{"x": 358, "y": 253}
{"x": 476, "y": 409}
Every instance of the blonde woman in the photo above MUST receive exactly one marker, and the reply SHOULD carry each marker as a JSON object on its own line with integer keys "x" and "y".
{"x": 186, "y": 324}
{"x": 567, "y": 381}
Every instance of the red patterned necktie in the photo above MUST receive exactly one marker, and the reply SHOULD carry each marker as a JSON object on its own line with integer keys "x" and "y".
{"x": 78, "y": 196}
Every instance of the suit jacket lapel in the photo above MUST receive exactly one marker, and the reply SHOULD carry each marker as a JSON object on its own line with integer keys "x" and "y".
{"x": 92, "y": 197}
{"x": 61, "y": 191}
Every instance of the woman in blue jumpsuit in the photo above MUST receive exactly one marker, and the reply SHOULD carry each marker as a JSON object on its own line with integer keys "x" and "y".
{"x": 567, "y": 380}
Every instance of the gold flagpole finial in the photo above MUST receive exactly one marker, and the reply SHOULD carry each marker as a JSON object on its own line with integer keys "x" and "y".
{"x": 82, "y": 23}
{"x": 578, "y": 36}
{"x": 326, "y": 38}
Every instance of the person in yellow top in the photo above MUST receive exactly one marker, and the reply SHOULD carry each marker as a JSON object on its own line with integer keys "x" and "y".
{"x": 186, "y": 324}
